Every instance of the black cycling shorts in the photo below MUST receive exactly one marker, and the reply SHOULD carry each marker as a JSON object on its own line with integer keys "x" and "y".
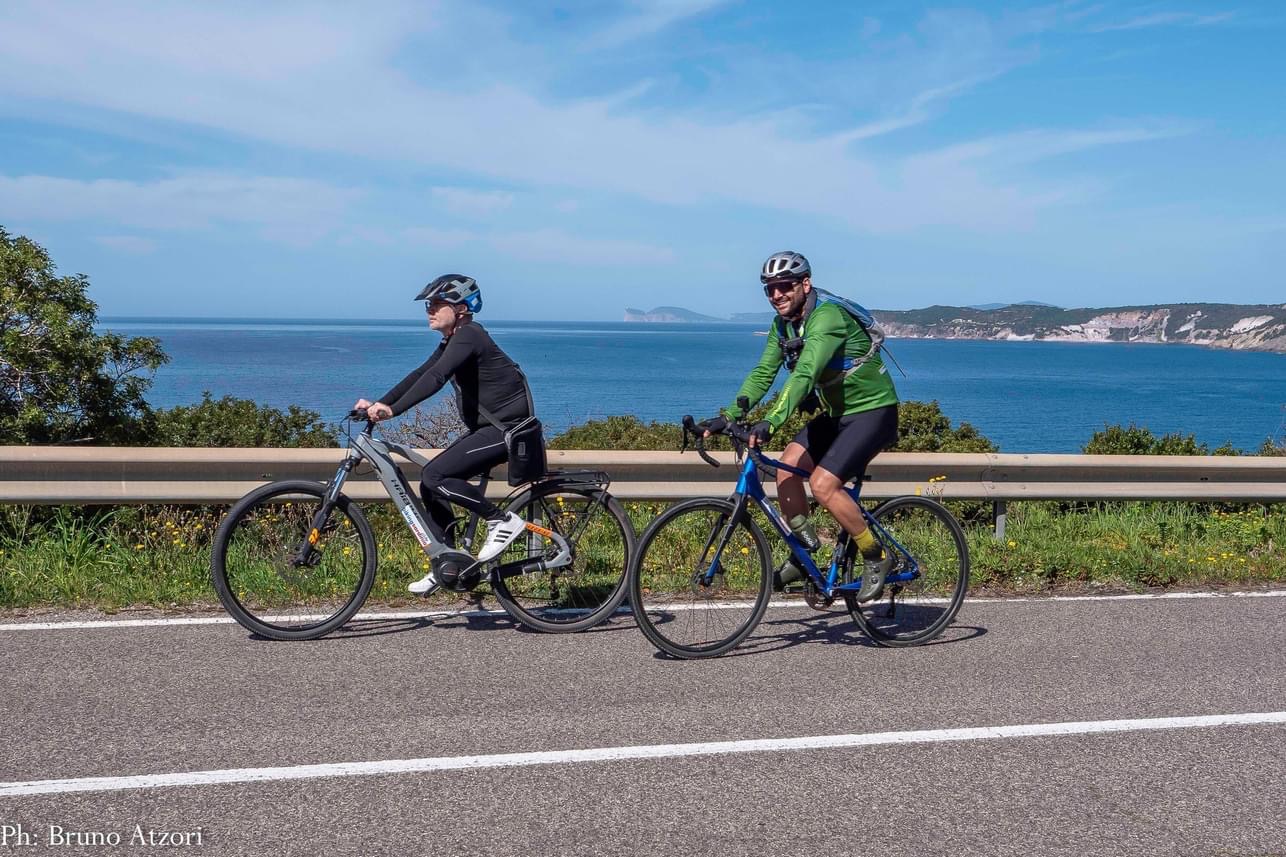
{"x": 845, "y": 445}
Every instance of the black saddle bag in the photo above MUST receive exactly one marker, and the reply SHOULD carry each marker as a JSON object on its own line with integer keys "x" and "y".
{"x": 526, "y": 445}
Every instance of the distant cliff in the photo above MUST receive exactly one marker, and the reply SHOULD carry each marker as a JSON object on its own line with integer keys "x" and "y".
{"x": 1259, "y": 327}
{"x": 667, "y": 313}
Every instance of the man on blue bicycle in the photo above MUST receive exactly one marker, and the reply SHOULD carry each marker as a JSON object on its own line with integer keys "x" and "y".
{"x": 828, "y": 351}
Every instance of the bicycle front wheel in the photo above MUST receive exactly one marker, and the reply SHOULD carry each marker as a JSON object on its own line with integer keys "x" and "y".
{"x": 584, "y": 593}
{"x": 931, "y": 550}
{"x": 256, "y": 562}
{"x": 686, "y": 611}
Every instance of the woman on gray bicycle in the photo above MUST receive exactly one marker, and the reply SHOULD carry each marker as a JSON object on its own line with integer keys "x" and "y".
{"x": 493, "y": 394}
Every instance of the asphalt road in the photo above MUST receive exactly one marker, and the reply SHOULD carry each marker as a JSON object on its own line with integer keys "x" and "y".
{"x": 78, "y": 703}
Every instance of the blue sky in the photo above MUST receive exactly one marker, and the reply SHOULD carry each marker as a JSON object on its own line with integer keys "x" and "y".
{"x": 324, "y": 160}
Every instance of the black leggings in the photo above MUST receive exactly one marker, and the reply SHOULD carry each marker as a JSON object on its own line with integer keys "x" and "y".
{"x": 442, "y": 482}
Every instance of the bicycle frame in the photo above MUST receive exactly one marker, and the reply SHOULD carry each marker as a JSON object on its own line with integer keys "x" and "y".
{"x": 750, "y": 489}
{"x": 364, "y": 446}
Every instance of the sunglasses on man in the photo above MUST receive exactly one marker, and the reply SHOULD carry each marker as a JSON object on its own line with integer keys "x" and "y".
{"x": 780, "y": 287}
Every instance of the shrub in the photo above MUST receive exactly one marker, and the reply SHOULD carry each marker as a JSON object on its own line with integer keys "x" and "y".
{"x": 230, "y": 422}
{"x": 1137, "y": 440}
{"x": 922, "y": 427}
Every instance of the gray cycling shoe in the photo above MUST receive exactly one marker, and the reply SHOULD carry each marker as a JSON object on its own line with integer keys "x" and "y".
{"x": 873, "y": 573}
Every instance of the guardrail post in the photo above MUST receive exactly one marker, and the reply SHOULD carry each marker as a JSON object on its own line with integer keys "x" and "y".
{"x": 999, "y": 512}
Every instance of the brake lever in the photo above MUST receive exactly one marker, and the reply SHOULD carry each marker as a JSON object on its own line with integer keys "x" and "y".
{"x": 698, "y": 441}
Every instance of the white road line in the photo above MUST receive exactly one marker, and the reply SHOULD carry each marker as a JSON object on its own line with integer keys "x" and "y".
{"x": 228, "y": 620}
{"x": 442, "y": 614}
{"x": 616, "y": 754}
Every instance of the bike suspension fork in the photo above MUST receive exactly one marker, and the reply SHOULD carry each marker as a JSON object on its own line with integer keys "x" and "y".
{"x": 307, "y": 553}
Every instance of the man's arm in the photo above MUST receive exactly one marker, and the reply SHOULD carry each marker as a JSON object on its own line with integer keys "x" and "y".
{"x": 760, "y": 379}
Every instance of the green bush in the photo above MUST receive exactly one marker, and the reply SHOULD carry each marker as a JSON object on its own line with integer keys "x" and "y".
{"x": 625, "y": 432}
{"x": 1137, "y": 440}
{"x": 1270, "y": 447}
{"x": 922, "y": 427}
{"x": 230, "y": 422}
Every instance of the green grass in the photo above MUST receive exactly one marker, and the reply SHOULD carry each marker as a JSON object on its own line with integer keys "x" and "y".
{"x": 159, "y": 557}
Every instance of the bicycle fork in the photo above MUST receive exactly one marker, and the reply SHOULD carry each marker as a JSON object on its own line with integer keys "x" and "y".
{"x": 706, "y": 578}
{"x": 308, "y": 554}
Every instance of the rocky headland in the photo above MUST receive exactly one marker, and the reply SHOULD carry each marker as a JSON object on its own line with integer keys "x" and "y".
{"x": 1257, "y": 327}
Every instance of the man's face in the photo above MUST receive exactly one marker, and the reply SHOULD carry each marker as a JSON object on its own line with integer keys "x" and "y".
{"x": 788, "y": 296}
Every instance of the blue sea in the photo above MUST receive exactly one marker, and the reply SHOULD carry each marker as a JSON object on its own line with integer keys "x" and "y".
{"x": 1025, "y": 396}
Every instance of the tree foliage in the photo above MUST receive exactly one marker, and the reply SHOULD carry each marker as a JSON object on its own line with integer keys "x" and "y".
{"x": 60, "y": 381}
{"x": 231, "y": 422}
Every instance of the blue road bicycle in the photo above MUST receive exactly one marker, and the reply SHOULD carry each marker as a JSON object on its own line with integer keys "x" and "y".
{"x": 701, "y": 577}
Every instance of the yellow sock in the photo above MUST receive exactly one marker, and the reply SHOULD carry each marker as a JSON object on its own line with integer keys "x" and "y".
{"x": 867, "y": 544}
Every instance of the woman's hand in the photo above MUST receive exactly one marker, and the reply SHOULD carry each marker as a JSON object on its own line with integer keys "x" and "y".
{"x": 375, "y": 411}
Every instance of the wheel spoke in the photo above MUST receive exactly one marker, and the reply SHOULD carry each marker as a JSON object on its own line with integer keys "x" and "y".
{"x": 928, "y": 544}
{"x": 581, "y": 594}
{"x": 676, "y": 607}
{"x": 258, "y": 571}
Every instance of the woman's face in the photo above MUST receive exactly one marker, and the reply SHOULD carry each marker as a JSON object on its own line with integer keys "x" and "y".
{"x": 442, "y": 315}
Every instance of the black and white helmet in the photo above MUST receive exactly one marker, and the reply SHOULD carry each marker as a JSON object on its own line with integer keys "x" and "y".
{"x": 786, "y": 265}
{"x": 454, "y": 289}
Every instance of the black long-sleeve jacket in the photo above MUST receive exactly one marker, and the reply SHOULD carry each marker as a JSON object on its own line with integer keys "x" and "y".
{"x": 481, "y": 372}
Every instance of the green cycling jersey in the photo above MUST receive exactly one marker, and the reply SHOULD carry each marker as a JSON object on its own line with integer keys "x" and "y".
{"x": 828, "y": 333}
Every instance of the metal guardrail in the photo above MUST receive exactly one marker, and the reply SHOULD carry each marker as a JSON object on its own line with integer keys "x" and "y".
{"x": 115, "y": 475}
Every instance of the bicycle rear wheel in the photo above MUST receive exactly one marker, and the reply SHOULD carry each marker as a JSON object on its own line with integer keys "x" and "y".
{"x": 931, "y": 545}
{"x": 580, "y": 595}
{"x": 255, "y": 567}
{"x": 682, "y": 613}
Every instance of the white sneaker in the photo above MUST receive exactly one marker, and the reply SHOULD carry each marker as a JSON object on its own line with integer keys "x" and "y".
{"x": 500, "y": 534}
{"x": 426, "y": 585}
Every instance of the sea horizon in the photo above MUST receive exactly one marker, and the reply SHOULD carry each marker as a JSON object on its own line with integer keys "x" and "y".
{"x": 1026, "y": 396}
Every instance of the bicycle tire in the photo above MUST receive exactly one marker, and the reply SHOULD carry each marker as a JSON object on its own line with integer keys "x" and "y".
{"x": 666, "y": 597}
{"x": 579, "y": 596}
{"x": 259, "y": 585}
{"x": 936, "y": 540}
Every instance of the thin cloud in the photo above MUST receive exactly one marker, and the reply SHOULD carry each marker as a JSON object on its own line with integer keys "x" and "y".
{"x": 648, "y": 17}
{"x": 1166, "y": 19}
{"x": 130, "y": 244}
{"x": 283, "y": 209}
{"x": 472, "y": 203}
{"x": 1029, "y": 146}
{"x": 432, "y": 236}
{"x": 552, "y": 245}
